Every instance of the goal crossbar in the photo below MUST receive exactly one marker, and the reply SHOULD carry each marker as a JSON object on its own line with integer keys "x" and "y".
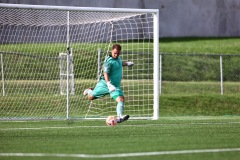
{"x": 84, "y": 9}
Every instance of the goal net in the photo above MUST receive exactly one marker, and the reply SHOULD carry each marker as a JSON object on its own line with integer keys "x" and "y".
{"x": 41, "y": 78}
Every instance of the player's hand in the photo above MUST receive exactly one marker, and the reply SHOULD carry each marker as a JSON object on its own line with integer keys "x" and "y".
{"x": 111, "y": 87}
{"x": 129, "y": 64}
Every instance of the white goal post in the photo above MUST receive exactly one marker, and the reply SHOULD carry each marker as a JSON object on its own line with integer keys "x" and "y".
{"x": 66, "y": 66}
{"x": 42, "y": 80}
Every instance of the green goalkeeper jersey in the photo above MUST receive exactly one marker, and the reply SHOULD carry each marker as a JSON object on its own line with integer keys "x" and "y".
{"x": 113, "y": 67}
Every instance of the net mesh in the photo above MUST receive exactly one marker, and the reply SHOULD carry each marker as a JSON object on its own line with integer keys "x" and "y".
{"x": 31, "y": 41}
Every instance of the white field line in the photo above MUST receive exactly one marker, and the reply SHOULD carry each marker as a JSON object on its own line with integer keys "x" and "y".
{"x": 140, "y": 125}
{"x": 121, "y": 154}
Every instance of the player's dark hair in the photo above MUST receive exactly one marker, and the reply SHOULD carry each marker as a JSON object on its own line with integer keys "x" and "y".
{"x": 117, "y": 46}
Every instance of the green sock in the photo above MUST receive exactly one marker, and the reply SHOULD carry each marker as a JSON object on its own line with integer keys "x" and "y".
{"x": 120, "y": 109}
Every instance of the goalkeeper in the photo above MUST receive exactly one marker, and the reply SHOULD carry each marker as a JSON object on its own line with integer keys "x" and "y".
{"x": 110, "y": 82}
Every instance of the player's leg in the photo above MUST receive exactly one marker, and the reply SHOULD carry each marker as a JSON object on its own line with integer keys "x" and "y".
{"x": 99, "y": 91}
{"x": 120, "y": 106}
{"x": 119, "y": 97}
{"x": 120, "y": 110}
{"x": 88, "y": 92}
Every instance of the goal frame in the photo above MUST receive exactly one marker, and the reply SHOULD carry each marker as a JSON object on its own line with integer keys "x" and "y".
{"x": 155, "y": 13}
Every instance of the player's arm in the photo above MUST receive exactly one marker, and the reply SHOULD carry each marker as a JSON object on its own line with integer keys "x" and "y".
{"x": 106, "y": 77}
{"x": 129, "y": 64}
{"x": 106, "y": 71}
{"x": 107, "y": 67}
{"x": 111, "y": 87}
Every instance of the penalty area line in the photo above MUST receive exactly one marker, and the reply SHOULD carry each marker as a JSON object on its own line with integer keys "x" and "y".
{"x": 121, "y": 154}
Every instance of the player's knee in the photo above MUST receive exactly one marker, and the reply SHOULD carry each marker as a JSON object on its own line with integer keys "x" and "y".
{"x": 90, "y": 97}
{"x": 120, "y": 99}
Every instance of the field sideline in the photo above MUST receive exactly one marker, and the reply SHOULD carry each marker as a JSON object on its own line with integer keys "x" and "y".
{"x": 186, "y": 137}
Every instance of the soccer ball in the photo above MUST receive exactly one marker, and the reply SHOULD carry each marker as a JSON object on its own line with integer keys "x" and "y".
{"x": 111, "y": 121}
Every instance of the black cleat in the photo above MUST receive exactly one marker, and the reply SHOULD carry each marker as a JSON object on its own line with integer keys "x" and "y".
{"x": 125, "y": 118}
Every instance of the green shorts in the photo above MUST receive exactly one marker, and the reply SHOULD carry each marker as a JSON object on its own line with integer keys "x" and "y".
{"x": 101, "y": 89}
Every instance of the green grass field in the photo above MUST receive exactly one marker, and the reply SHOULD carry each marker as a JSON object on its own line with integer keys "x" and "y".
{"x": 201, "y": 45}
{"x": 181, "y": 138}
{"x": 192, "y": 124}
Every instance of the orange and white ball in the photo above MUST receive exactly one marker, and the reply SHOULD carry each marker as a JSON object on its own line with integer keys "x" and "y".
{"x": 111, "y": 120}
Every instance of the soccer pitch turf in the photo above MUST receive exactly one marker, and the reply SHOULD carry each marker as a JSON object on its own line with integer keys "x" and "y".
{"x": 200, "y": 137}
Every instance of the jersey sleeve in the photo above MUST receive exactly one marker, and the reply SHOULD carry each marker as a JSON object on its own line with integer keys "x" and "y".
{"x": 106, "y": 66}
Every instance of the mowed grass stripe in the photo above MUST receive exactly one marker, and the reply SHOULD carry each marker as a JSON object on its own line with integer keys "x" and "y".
{"x": 127, "y": 125}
